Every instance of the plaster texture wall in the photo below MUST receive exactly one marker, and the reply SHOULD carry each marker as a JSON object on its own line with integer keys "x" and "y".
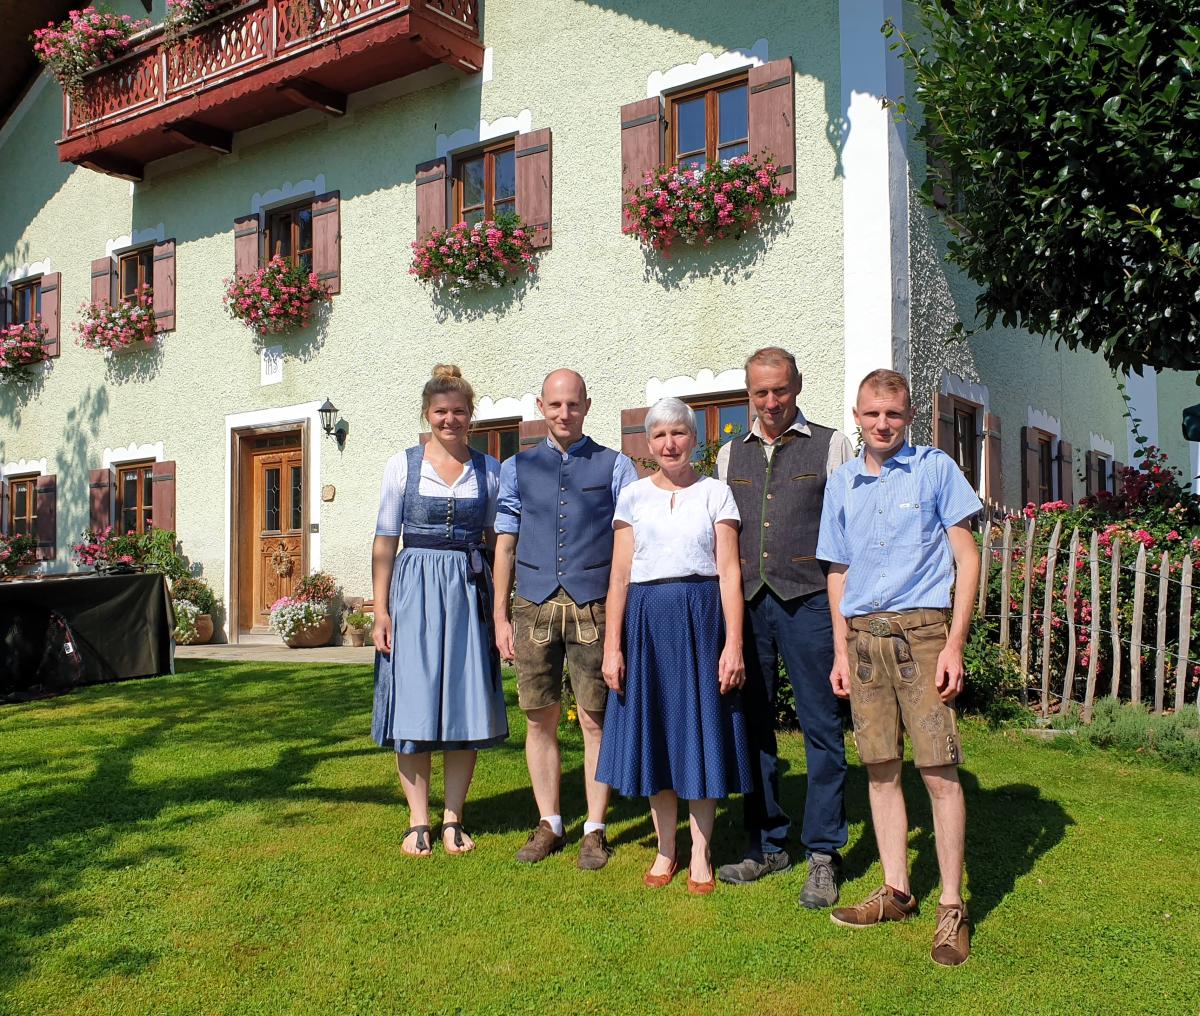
{"x": 596, "y": 304}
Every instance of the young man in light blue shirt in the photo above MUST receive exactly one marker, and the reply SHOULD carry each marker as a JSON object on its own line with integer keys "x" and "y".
{"x": 895, "y": 531}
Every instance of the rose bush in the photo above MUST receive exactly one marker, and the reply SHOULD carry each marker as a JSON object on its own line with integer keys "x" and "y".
{"x": 487, "y": 254}
{"x": 21, "y": 346}
{"x": 116, "y": 326}
{"x": 275, "y": 299}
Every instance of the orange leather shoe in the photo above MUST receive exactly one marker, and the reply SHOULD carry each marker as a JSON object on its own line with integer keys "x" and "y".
{"x": 661, "y": 881}
{"x": 701, "y": 888}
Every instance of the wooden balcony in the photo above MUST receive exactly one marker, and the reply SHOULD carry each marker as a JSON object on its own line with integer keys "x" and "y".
{"x": 252, "y": 63}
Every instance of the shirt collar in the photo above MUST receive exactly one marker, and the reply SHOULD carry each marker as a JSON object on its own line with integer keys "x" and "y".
{"x": 570, "y": 451}
{"x": 799, "y": 425}
{"x": 902, "y": 459}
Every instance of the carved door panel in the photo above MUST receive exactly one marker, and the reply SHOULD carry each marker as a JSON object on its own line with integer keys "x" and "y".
{"x": 273, "y": 527}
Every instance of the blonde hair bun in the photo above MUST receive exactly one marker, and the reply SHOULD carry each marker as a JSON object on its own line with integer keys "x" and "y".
{"x": 446, "y": 370}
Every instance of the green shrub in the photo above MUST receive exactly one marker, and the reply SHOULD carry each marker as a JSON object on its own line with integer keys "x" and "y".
{"x": 196, "y": 591}
{"x": 992, "y": 682}
{"x": 1129, "y": 729}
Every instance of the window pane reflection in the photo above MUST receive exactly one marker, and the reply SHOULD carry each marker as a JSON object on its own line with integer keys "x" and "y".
{"x": 506, "y": 175}
{"x": 271, "y": 503}
{"x": 297, "y": 499}
{"x": 733, "y": 115}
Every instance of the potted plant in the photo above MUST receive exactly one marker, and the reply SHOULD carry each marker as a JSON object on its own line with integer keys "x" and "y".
{"x": 21, "y": 346}
{"x": 16, "y": 553}
{"x": 187, "y": 631}
{"x": 304, "y": 620}
{"x": 117, "y": 326}
{"x": 487, "y": 254}
{"x": 87, "y": 39}
{"x": 276, "y": 299}
{"x": 357, "y": 625}
{"x": 198, "y": 593}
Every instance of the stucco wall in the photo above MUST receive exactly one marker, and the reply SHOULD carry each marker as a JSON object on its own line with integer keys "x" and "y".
{"x": 593, "y": 304}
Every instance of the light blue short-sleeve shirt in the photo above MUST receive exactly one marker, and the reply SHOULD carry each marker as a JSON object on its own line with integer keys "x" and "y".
{"x": 890, "y": 529}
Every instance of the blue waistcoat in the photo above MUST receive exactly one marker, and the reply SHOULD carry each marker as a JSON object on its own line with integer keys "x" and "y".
{"x": 565, "y": 537}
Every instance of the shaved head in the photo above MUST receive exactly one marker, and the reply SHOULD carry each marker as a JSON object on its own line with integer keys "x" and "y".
{"x": 564, "y": 404}
{"x": 564, "y": 375}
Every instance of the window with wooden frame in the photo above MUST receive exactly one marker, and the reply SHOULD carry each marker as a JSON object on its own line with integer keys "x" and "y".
{"x": 485, "y": 183}
{"x": 27, "y": 301}
{"x": 1045, "y": 472}
{"x": 22, "y": 506}
{"x": 135, "y": 497}
{"x": 501, "y": 439}
{"x": 135, "y": 269}
{"x": 720, "y": 418}
{"x": 966, "y": 441}
{"x": 709, "y": 123}
{"x": 289, "y": 235}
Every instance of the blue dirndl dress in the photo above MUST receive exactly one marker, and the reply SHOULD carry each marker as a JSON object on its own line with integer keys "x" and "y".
{"x": 440, "y": 689}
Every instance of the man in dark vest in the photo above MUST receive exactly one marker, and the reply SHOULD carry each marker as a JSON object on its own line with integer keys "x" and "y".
{"x": 554, "y": 528}
{"x": 777, "y": 474}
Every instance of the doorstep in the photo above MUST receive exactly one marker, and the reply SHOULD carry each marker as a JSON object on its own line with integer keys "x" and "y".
{"x": 277, "y": 653}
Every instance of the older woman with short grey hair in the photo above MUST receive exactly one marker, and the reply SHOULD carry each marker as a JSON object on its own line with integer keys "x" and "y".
{"x": 673, "y": 726}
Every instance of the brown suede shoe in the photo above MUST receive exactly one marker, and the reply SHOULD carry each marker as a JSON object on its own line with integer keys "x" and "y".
{"x": 880, "y": 906}
{"x": 541, "y": 844}
{"x": 594, "y": 851}
{"x": 952, "y": 940}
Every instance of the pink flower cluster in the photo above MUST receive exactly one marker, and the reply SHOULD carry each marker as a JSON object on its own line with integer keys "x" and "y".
{"x": 700, "y": 205}
{"x": 96, "y": 549}
{"x": 88, "y": 38}
{"x": 488, "y": 253}
{"x": 192, "y": 12}
{"x": 15, "y": 553}
{"x": 275, "y": 299}
{"x": 116, "y": 326}
{"x": 21, "y": 345}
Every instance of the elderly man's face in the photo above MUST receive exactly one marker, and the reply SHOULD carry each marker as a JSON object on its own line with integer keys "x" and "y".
{"x": 773, "y": 388}
{"x": 672, "y": 444}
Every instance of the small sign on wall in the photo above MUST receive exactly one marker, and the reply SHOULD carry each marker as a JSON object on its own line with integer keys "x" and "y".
{"x": 272, "y": 365}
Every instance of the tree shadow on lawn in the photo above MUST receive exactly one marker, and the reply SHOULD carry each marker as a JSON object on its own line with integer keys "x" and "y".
{"x": 1009, "y": 828}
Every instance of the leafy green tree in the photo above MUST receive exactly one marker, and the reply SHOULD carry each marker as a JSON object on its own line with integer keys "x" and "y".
{"x": 1066, "y": 134}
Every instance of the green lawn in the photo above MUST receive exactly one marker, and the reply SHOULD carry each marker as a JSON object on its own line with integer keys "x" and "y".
{"x": 227, "y": 841}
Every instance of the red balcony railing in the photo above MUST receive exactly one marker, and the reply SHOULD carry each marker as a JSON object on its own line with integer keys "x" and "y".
{"x": 256, "y": 49}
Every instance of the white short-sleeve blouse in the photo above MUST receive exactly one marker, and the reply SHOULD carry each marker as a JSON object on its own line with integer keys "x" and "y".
{"x": 671, "y": 542}
{"x": 395, "y": 479}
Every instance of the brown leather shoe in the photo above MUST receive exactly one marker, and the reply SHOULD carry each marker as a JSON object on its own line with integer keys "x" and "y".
{"x": 594, "y": 851}
{"x": 880, "y": 906}
{"x": 541, "y": 844}
{"x": 660, "y": 881}
{"x": 952, "y": 940}
{"x": 701, "y": 888}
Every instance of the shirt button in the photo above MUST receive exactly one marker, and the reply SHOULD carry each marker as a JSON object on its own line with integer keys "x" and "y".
{"x": 882, "y": 544}
{"x": 770, "y": 497}
{"x": 765, "y": 554}
{"x": 766, "y": 525}
{"x": 880, "y": 511}
{"x": 563, "y": 489}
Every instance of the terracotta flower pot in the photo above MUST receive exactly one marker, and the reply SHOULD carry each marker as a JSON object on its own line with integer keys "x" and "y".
{"x": 356, "y": 637}
{"x": 204, "y": 629}
{"x": 313, "y": 638}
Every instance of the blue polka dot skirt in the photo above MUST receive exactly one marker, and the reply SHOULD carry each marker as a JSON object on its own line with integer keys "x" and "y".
{"x": 672, "y": 729}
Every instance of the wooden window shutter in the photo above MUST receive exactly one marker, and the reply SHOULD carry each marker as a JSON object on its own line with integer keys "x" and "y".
{"x": 52, "y": 312}
{"x": 162, "y": 495}
{"x": 1118, "y": 478}
{"x": 993, "y": 481}
{"x": 101, "y": 489}
{"x": 534, "y": 179}
{"x": 531, "y": 432}
{"x": 773, "y": 117}
{"x": 633, "y": 437}
{"x": 247, "y": 242}
{"x": 433, "y": 183}
{"x": 103, "y": 280}
{"x": 327, "y": 240}
{"x": 642, "y": 127}
{"x": 163, "y": 284}
{"x": 5, "y": 306}
{"x": 1093, "y": 479}
{"x": 3, "y": 506}
{"x": 1066, "y": 473}
{"x": 47, "y": 523}
{"x": 1030, "y": 464}
{"x": 943, "y": 424}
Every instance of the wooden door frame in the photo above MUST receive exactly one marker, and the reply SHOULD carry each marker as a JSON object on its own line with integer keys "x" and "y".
{"x": 239, "y": 458}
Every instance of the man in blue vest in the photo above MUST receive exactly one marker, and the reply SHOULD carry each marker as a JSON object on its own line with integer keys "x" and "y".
{"x": 554, "y": 529}
{"x": 777, "y": 474}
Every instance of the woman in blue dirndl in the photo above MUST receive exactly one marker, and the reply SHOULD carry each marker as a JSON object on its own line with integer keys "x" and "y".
{"x": 673, "y": 727}
{"x": 437, "y": 673}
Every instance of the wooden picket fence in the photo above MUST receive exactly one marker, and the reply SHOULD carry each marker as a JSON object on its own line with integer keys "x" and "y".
{"x": 1006, "y": 546}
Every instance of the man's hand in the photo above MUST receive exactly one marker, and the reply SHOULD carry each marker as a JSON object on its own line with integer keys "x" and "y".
{"x": 731, "y": 669}
{"x": 613, "y": 669}
{"x": 381, "y": 633}
{"x": 839, "y": 677}
{"x": 504, "y": 637}
{"x": 949, "y": 672}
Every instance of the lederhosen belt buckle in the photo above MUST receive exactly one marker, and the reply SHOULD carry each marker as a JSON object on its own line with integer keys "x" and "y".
{"x": 880, "y": 627}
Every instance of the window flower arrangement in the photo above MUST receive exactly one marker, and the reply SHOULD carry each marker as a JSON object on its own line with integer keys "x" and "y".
{"x": 488, "y": 254}
{"x": 116, "y": 326}
{"x": 319, "y": 587}
{"x": 276, "y": 299}
{"x": 186, "y": 613}
{"x": 21, "y": 346}
{"x": 697, "y": 205}
{"x": 291, "y": 617}
{"x": 16, "y": 552}
{"x": 88, "y": 38}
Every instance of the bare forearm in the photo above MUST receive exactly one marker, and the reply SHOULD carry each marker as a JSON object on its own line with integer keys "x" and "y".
{"x": 835, "y": 584}
{"x": 966, "y": 587}
{"x": 502, "y": 572}
{"x": 383, "y": 557}
{"x": 733, "y": 606}
{"x": 614, "y": 610}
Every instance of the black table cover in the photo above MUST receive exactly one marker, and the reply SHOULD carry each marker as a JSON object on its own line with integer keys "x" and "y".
{"x": 66, "y": 630}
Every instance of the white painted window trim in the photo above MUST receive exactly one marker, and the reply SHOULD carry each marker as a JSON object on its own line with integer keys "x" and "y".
{"x": 467, "y": 138}
{"x": 25, "y": 467}
{"x": 1043, "y": 421}
{"x": 682, "y": 386}
{"x": 507, "y": 408}
{"x": 32, "y": 270}
{"x": 305, "y": 412}
{"x": 979, "y": 395}
{"x": 706, "y": 67}
{"x": 286, "y": 194}
{"x": 138, "y": 238}
{"x": 134, "y": 453}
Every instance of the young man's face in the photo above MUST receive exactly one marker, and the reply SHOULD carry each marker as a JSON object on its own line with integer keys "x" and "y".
{"x": 883, "y": 417}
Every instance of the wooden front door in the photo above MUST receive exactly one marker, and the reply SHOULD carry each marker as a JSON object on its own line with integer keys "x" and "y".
{"x": 272, "y": 523}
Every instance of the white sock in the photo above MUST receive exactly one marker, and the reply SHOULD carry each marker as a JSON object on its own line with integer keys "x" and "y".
{"x": 591, "y": 827}
{"x": 555, "y": 823}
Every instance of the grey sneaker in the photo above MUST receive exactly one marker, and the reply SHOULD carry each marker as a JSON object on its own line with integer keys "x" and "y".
{"x": 751, "y": 869}
{"x": 821, "y": 887}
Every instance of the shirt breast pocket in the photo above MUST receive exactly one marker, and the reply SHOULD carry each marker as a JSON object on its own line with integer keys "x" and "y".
{"x": 919, "y": 523}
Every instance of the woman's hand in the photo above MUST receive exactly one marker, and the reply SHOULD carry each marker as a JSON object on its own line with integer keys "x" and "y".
{"x": 381, "y": 633}
{"x": 613, "y": 669}
{"x": 731, "y": 668}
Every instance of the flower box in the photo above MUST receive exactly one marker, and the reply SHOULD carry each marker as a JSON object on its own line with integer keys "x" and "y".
{"x": 485, "y": 255}
{"x": 276, "y": 299}
{"x": 21, "y": 346}
{"x": 126, "y": 324}
{"x": 88, "y": 39}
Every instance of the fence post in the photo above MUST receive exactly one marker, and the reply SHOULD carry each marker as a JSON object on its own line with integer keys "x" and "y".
{"x": 1047, "y": 608}
{"x": 1089, "y": 691}
{"x": 1114, "y": 619}
{"x": 1006, "y": 585}
{"x": 1026, "y": 603}
{"x": 1160, "y": 646}
{"x": 1185, "y": 632}
{"x": 1135, "y": 637}
{"x": 985, "y": 561}
{"x": 1069, "y": 600}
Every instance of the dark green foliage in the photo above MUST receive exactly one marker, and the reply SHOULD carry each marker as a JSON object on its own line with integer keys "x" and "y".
{"x": 993, "y": 680}
{"x": 1067, "y": 137}
{"x": 196, "y": 591}
{"x": 1172, "y": 739}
